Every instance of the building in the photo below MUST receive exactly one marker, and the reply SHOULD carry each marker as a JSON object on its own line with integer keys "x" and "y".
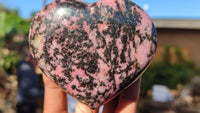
{"x": 182, "y": 33}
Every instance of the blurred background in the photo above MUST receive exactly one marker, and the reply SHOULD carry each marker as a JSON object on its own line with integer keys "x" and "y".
{"x": 170, "y": 85}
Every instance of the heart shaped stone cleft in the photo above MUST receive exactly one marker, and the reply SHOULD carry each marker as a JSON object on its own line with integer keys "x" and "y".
{"x": 92, "y": 51}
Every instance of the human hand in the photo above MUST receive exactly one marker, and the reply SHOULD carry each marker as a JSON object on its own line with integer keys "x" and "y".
{"x": 126, "y": 102}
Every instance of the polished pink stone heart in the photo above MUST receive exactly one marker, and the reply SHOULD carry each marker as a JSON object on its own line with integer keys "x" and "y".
{"x": 92, "y": 51}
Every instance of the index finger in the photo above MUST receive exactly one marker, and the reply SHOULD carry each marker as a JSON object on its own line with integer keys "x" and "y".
{"x": 128, "y": 99}
{"x": 55, "y": 99}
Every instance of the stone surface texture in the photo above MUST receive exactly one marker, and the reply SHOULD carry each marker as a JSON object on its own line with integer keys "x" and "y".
{"x": 92, "y": 51}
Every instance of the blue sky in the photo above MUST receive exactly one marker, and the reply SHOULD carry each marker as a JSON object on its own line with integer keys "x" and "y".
{"x": 181, "y": 9}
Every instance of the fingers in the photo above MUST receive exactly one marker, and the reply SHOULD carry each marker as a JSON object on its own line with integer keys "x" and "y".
{"x": 55, "y": 99}
{"x": 111, "y": 106}
{"x": 128, "y": 99}
{"x": 48, "y": 83}
{"x": 82, "y": 108}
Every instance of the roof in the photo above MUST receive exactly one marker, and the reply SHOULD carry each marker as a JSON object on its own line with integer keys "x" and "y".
{"x": 177, "y": 23}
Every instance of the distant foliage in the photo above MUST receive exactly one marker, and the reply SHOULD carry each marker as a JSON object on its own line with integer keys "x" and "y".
{"x": 11, "y": 25}
{"x": 14, "y": 21}
{"x": 167, "y": 73}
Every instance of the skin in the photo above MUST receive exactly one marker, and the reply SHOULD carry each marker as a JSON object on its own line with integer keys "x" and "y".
{"x": 93, "y": 50}
{"x": 126, "y": 102}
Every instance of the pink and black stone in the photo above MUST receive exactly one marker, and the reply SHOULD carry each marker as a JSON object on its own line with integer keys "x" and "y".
{"x": 92, "y": 51}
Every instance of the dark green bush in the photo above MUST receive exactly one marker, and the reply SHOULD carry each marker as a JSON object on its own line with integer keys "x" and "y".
{"x": 166, "y": 73}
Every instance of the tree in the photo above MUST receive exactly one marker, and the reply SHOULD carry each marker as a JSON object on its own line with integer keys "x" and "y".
{"x": 12, "y": 25}
{"x": 168, "y": 73}
{"x": 44, "y": 3}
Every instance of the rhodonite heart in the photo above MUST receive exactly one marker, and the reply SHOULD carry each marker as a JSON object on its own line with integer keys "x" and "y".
{"x": 92, "y": 51}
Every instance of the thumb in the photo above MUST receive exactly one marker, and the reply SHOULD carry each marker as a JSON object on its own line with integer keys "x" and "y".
{"x": 82, "y": 108}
